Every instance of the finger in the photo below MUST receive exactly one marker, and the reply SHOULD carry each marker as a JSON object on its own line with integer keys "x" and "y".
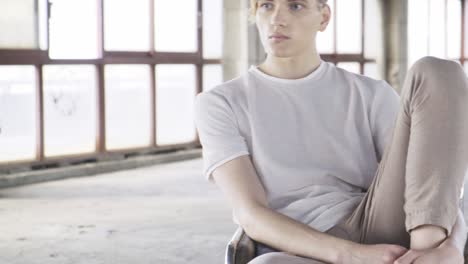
{"x": 409, "y": 257}
{"x": 399, "y": 250}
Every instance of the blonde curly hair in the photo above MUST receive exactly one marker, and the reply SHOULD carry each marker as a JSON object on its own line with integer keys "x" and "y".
{"x": 253, "y": 8}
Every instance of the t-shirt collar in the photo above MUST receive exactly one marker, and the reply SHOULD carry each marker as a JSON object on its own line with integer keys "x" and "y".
{"x": 311, "y": 76}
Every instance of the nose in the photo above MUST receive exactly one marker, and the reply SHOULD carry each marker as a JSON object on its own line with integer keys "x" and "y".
{"x": 278, "y": 18}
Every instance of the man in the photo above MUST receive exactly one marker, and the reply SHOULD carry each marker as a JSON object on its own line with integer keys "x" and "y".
{"x": 317, "y": 163}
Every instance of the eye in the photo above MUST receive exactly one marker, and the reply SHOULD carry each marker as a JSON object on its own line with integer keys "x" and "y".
{"x": 266, "y": 6}
{"x": 296, "y": 6}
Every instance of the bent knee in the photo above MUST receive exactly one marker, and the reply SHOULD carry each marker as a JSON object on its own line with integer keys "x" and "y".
{"x": 434, "y": 66}
{"x": 441, "y": 76}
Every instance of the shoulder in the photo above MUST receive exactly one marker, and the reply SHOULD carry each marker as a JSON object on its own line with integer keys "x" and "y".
{"x": 366, "y": 85}
{"x": 221, "y": 98}
{"x": 355, "y": 78}
{"x": 226, "y": 93}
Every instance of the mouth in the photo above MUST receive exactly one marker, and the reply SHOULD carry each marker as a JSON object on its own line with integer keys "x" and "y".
{"x": 278, "y": 37}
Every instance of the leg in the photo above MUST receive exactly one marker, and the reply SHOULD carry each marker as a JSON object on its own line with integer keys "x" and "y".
{"x": 281, "y": 258}
{"x": 420, "y": 176}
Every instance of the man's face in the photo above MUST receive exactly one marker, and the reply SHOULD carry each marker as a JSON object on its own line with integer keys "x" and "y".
{"x": 296, "y": 23}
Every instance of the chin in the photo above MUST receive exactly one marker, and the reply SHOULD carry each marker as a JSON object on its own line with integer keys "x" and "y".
{"x": 281, "y": 53}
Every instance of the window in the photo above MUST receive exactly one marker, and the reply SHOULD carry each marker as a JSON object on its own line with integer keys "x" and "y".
{"x": 74, "y": 29}
{"x": 127, "y": 25}
{"x": 104, "y": 75}
{"x": 352, "y": 38}
{"x": 435, "y": 29}
{"x": 175, "y": 91}
{"x": 177, "y": 33}
{"x": 128, "y": 106}
{"x": 349, "y": 26}
{"x": 213, "y": 29}
{"x": 212, "y": 43}
{"x": 69, "y": 109}
{"x": 18, "y": 25}
{"x": 17, "y": 113}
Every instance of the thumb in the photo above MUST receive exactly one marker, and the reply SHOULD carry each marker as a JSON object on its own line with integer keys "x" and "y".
{"x": 408, "y": 257}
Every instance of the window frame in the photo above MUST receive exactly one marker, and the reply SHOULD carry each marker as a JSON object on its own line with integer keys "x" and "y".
{"x": 462, "y": 59}
{"x": 360, "y": 58}
{"x": 39, "y": 58}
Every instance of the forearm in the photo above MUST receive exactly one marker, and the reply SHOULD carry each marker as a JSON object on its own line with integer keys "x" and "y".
{"x": 288, "y": 235}
{"x": 458, "y": 235}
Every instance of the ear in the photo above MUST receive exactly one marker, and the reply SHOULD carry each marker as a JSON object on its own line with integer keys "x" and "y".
{"x": 326, "y": 16}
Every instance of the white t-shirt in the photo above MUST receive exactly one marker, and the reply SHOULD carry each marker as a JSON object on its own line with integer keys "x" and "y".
{"x": 315, "y": 142}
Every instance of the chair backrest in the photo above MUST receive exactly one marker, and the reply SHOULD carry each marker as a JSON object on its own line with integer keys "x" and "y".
{"x": 241, "y": 248}
{"x": 465, "y": 252}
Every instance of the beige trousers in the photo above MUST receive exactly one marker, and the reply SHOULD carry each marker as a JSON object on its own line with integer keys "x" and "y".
{"x": 420, "y": 176}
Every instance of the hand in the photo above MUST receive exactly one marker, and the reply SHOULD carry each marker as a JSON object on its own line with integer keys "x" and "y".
{"x": 374, "y": 254}
{"x": 444, "y": 253}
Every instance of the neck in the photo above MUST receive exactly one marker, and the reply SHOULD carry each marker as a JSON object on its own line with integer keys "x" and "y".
{"x": 290, "y": 68}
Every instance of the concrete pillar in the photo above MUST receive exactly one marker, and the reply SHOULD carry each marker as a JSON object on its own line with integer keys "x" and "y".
{"x": 235, "y": 47}
{"x": 395, "y": 46}
{"x": 256, "y": 51}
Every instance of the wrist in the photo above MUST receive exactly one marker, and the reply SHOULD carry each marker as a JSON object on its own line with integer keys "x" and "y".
{"x": 450, "y": 242}
{"x": 345, "y": 251}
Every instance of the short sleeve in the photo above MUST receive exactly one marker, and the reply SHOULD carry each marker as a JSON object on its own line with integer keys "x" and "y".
{"x": 383, "y": 113}
{"x": 218, "y": 132}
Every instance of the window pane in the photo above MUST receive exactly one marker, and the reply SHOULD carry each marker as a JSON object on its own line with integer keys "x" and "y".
{"x": 175, "y": 94}
{"x": 176, "y": 32}
{"x": 212, "y": 29}
{"x": 128, "y": 106}
{"x": 417, "y": 30}
{"x": 326, "y": 39}
{"x": 371, "y": 70}
{"x": 466, "y": 37}
{"x": 437, "y": 28}
{"x": 69, "y": 109}
{"x": 373, "y": 31}
{"x": 454, "y": 29}
{"x": 127, "y": 25}
{"x": 18, "y": 24}
{"x": 349, "y": 26}
{"x": 74, "y": 29}
{"x": 212, "y": 76}
{"x": 349, "y": 66}
{"x": 17, "y": 113}
{"x": 43, "y": 20}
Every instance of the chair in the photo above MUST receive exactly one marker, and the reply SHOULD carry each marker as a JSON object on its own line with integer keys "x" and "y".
{"x": 241, "y": 249}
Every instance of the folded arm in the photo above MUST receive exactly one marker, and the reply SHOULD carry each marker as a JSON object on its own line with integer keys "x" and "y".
{"x": 240, "y": 184}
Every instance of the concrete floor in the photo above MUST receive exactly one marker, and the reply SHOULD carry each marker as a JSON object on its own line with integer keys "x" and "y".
{"x": 162, "y": 214}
